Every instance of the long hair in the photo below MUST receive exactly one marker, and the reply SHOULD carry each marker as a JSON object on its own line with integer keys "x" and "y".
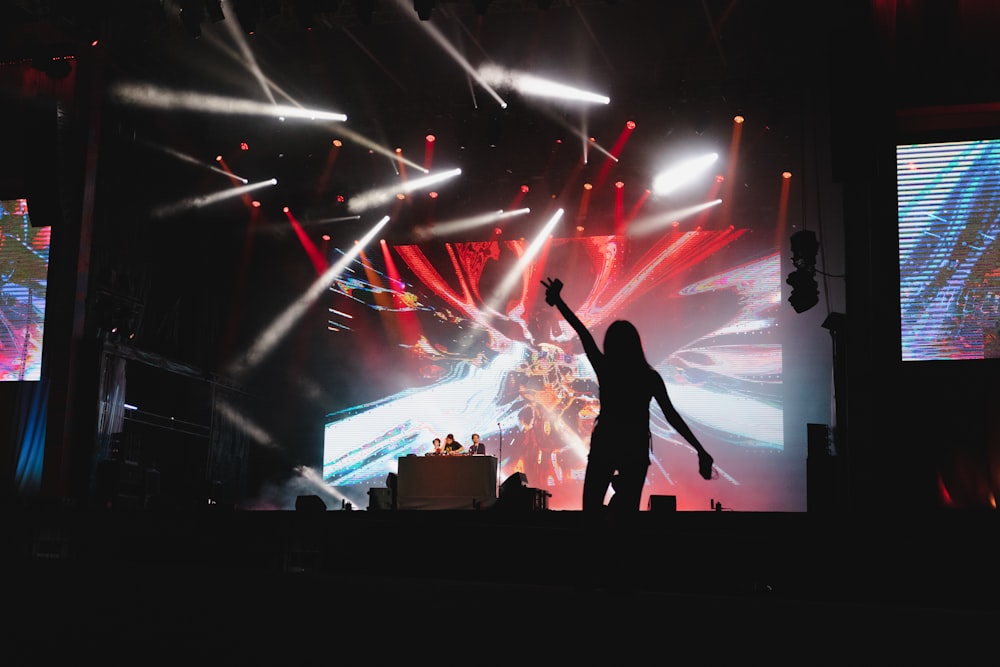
{"x": 623, "y": 346}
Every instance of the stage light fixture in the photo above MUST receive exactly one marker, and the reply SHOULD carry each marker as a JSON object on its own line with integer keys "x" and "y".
{"x": 805, "y": 291}
{"x": 247, "y": 13}
{"x": 423, "y": 9}
{"x": 213, "y": 8}
{"x": 192, "y": 12}
{"x": 53, "y": 67}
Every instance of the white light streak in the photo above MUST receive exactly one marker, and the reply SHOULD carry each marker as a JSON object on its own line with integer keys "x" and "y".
{"x": 154, "y": 97}
{"x": 371, "y": 145}
{"x": 266, "y": 342}
{"x": 429, "y": 28}
{"x": 473, "y": 221}
{"x": 660, "y": 221}
{"x": 514, "y": 275}
{"x": 379, "y": 196}
{"x": 205, "y": 200}
{"x": 183, "y": 157}
{"x": 531, "y": 85}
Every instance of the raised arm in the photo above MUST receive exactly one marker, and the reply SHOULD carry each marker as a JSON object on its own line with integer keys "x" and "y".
{"x": 674, "y": 418}
{"x": 553, "y": 297}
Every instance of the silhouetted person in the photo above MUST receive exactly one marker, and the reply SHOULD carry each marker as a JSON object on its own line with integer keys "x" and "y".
{"x": 621, "y": 440}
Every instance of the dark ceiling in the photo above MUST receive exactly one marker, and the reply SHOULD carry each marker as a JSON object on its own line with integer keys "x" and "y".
{"x": 679, "y": 69}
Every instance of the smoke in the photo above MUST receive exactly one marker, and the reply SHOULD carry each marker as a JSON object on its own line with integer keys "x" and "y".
{"x": 304, "y": 481}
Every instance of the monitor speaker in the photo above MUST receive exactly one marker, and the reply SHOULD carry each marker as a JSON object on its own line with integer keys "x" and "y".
{"x": 514, "y": 493}
{"x": 514, "y": 484}
{"x": 312, "y": 504}
{"x": 662, "y": 504}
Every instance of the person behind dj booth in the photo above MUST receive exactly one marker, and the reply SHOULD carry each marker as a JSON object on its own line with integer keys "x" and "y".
{"x": 452, "y": 446}
{"x": 437, "y": 447}
{"x": 477, "y": 447}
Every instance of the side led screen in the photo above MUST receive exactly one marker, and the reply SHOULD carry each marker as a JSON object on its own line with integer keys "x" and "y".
{"x": 24, "y": 267}
{"x": 949, "y": 275}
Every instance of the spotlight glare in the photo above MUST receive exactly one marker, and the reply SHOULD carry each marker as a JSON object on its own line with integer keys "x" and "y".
{"x": 630, "y": 125}
{"x": 682, "y": 174}
{"x": 786, "y": 175}
{"x": 218, "y": 158}
{"x": 430, "y": 138}
{"x": 525, "y": 189}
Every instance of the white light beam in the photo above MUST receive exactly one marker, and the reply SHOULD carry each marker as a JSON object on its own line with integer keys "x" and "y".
{"x": 154, "y": 97}
{"x": 379, "y": 196}
{"x": 205, "y": 200}
{"x": 284, "y": 323}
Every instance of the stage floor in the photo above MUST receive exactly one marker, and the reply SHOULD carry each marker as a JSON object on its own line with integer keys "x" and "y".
{"x": 248, "y": 584}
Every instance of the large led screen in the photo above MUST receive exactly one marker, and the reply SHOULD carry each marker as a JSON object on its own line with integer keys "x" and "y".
{"x": 24, "y": 267}
{"x": 949, "y": 274}
{"x": 457, "y": 338}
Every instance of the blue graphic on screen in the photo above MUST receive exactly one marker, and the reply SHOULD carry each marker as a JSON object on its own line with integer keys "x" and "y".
{"x": 949, "y": 290}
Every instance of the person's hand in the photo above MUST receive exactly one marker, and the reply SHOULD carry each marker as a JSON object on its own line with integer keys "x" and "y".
{"x": 705, "y": 462}
{"x": 553, "y": 291}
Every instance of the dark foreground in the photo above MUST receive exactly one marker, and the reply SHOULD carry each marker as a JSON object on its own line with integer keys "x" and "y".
{"x": 490, "y": 586}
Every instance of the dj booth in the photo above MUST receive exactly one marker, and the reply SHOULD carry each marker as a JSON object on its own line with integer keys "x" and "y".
{"x": 446, "y": 482}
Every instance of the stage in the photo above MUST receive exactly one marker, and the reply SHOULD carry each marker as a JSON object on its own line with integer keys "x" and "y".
{"x": 945, "y": 559}
{"x": 249, "y": 584}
